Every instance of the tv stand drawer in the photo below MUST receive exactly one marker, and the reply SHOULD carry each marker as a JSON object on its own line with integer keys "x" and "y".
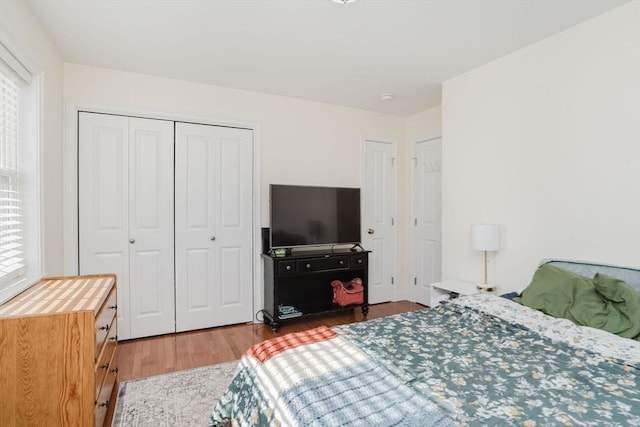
{"x": 323, "y": 264}
{"x": 286, "y": 267}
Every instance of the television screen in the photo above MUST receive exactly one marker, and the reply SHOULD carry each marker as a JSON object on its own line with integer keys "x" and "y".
{"x": 303, "y": 215}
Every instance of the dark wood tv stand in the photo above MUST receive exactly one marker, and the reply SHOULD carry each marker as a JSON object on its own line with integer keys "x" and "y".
{"x": 303, "y": 280}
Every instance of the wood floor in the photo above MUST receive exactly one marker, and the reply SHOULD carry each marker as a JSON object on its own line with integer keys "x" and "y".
{"x": 175, "y": 352}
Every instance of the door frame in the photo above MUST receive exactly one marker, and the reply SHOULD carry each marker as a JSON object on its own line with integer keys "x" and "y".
{"x": 70, "y": 178}
{"x": 394, "y": 201}
{"x": 412, "y": 254}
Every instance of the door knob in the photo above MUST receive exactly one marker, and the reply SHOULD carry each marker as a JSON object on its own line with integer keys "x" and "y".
{"x": 213, "y": 238}
{"x": 371, "y": 231}
{"x": 132, "y": 241}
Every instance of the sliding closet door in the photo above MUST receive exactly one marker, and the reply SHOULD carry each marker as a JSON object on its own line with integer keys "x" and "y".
{"x": 213, "y": 202}
{"x": 103, "y": 205}
{"x": 151, "y": 227}
{"x": 125, "y": 202}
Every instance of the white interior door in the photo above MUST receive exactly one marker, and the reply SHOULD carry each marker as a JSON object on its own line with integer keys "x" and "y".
{"x": 427, "y": 208}
{"x": 379, "y": 218}
{"x": 213, "y": 213}
{"x": 125, "y": 203}
{"x": 103, "y": 205}
{"x": 151, "y": 261}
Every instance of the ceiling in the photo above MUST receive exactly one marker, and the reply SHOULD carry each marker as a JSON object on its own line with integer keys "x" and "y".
{"x": 317, "y": 50}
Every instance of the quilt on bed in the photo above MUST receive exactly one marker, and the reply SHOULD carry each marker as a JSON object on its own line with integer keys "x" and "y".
{"x": 482, "y": 360}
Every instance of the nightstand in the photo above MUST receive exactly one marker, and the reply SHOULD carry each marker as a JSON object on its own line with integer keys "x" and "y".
{"x": 450, "y": 289}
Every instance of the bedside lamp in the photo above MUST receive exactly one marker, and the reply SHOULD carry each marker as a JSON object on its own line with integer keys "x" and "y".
{"x": 485, "y": 237}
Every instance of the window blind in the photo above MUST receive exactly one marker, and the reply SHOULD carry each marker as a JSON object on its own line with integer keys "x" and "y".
{"x": 12, "y": 260}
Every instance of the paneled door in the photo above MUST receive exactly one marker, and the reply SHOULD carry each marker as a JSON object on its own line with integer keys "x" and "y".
{"x": 379, "y": 219}
{"x": 427, "y": 207}
{"x": 125, "y": 203}
{"x": 213, "y": 214}
{"x": 151, "y": 267}
{"x": 103, "y": 208}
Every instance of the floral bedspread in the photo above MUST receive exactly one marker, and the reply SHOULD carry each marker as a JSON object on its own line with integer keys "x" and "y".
{"x": 481, "y": 360}
{"x": 317, "y": 378}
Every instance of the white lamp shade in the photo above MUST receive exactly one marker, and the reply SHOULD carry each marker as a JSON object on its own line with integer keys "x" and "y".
{"x": 485, "y": 237}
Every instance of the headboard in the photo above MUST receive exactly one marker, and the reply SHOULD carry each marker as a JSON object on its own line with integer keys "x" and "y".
{"x": 588, "y": 269}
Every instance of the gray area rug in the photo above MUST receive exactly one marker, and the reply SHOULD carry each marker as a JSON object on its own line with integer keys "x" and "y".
{"x": 183, "y": 398}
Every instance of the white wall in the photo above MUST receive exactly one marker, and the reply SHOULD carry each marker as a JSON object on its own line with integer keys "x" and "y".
{"x": 546, "y": 142}
{"x": 18, "y": 22}
{"x": 424, "y": 125}
{"x": 301, "y": 141}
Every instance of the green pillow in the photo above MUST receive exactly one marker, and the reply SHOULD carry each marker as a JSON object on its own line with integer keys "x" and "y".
{"x": 603, "y": 302}
{"x": 623, "y": 303}
{"x": 562, "y": 293}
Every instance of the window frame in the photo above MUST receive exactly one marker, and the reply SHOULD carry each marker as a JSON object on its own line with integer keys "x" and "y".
{"x": 29, "y": 166}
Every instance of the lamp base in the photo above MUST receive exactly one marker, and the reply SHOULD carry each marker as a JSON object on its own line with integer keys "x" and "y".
{"x": 486, "y": 288}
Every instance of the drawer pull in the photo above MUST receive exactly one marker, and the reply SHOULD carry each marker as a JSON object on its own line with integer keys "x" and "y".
{"x": 104, "y": 404}
{"x": 105, "y": 366}
{"x": 104, "y": 328}
{"x": 115, "y": 370}
{"x": 113, "y": 338}
{"x": 308, "y": 266}
{"x": 341, "y": 262}
{"x": 113, "y": 307}
{"x": 288, "y": 268}
{"x": 359, "y": 261}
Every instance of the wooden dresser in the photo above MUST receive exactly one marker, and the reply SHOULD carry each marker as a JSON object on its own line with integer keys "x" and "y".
{"x": 58, "y": 352}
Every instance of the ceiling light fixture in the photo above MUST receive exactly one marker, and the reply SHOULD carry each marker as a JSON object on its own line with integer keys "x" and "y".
{"x": 386, "y": 97}
{"x": 344, "y": 1}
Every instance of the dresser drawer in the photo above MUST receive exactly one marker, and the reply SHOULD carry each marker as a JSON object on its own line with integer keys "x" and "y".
{"x": 104, "y": 363}
{"x": 104, "y": 320}
{"x": 325, "y": 263}
{"x": 103, "y": 400}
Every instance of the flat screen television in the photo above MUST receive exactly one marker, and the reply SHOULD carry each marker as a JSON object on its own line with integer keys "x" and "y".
{"x": 305, "y": 215}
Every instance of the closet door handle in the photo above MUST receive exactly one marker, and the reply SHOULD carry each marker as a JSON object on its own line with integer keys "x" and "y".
{"x": 132, "y": 241}
{"x": 213, "y": 238}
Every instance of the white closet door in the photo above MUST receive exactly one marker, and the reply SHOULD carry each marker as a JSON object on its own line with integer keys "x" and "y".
{"x": 125, "y": 199}
{"x": 150, "y": 239}
{"x": 213, "y": 202}
{"x": 103, "y": 224}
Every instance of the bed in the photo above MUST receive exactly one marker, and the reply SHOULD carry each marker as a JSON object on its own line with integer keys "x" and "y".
{"x": 477, "y": 360}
